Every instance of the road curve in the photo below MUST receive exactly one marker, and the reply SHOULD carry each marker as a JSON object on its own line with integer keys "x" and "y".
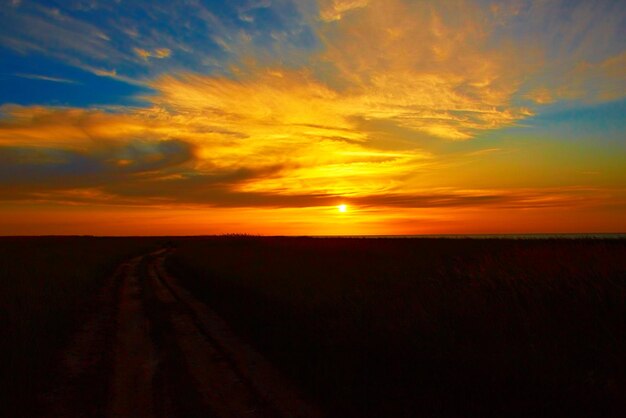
{"x": 174, "y": 357}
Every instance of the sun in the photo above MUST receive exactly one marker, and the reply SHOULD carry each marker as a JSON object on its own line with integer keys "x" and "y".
{"x": 342, "y": 208}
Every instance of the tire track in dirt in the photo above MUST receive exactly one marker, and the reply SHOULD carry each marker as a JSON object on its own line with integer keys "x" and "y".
{"x": 135, "y": 355}
{"x": 174, "y": 357}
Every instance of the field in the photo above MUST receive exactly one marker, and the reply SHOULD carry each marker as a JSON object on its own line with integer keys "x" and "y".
{"x": 359, "y": 327}
{"x": 428, "y": 327}
{"x": 48, "y": 286}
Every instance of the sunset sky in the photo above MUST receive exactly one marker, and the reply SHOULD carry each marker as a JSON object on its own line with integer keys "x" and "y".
{"x": 264, "y": 116}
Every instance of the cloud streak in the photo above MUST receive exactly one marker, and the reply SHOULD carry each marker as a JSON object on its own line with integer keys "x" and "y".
{"x": 45, "y": 78}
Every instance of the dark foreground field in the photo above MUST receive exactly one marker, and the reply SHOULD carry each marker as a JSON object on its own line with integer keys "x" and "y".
{"x": 362, "y": 327}
{"x": 428, "y": 327}
{"x": 48, "y": 288}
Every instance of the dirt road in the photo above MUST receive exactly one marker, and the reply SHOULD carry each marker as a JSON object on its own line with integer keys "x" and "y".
{"x": 159, "y": 352}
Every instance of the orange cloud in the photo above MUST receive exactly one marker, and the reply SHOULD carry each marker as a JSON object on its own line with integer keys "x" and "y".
{"x": 158, "y": 53}
{"x": 275, "y": 137}
{"x": 415, "y": 64}
{"x": 335, "y": 9}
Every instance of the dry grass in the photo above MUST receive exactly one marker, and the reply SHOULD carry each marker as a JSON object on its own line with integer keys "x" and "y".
{"x": 47, "y": 286}
{"x": 428, "y": 327}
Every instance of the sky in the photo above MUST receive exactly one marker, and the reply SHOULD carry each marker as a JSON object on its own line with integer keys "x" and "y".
{"x": 196, "y": 117}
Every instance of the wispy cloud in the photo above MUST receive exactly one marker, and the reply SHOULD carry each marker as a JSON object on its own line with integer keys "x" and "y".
{"x": 158, "y": 53}
{"x": 46, "y": 78}
{"x": 335, "y": 9}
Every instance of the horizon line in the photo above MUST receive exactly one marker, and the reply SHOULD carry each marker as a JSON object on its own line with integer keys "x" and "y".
{"x": 614, "y": 235}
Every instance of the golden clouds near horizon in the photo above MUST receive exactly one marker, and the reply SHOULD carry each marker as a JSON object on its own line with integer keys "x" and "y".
{"x": 370, "y": 118}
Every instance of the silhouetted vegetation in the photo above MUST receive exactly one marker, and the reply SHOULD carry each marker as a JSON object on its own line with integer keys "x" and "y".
{"x": 47, "y": 289}
{"x": 428, "y": 327}
{"x": 367, "y": 327}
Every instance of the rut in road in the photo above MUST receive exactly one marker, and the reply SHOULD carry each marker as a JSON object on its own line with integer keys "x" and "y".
{"x": 174, "y": 357}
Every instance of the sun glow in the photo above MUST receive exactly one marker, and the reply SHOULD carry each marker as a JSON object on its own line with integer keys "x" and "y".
{"x": 342, "y": 208}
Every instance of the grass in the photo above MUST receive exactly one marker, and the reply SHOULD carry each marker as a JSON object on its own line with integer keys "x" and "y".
{"x": 47, "y": 286}
{"x": 427, "y": 327}
{"x": 366, "y": 327}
